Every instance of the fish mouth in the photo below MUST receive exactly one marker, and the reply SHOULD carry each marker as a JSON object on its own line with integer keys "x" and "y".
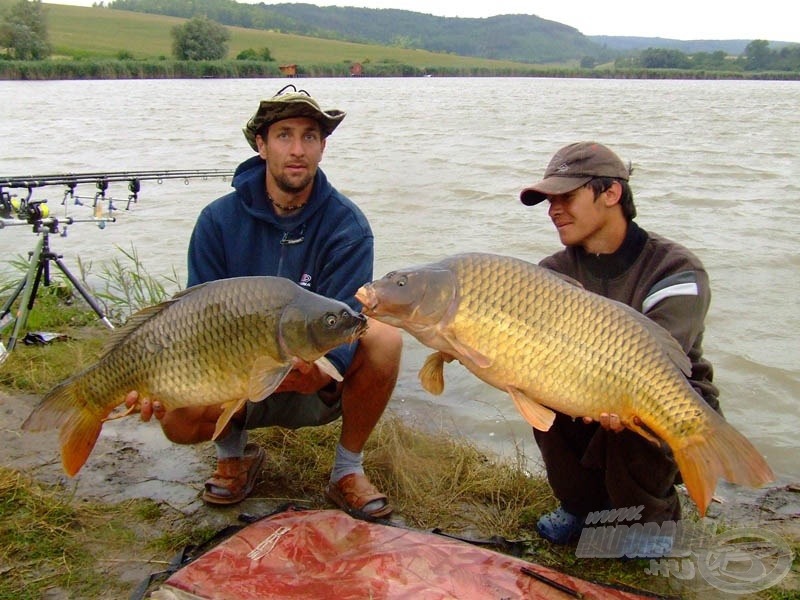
{"x": 368, "y": 298}
{"x": 359, "y": 328}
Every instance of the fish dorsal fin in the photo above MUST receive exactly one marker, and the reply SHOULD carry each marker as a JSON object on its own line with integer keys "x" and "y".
{"x": 133, "y": 323}
{"x": 566, "y": 278}
{"x": 671, "y": 346}
{"x": 327, "y": 367}
{"x": 266, "y": 375}
{"x": 229, "y": 409}
{"x": 538, "y": 416}
{"x": 665, "y": 339}
{"x": 431, "y": 375}
{"x": 140, "y": 317}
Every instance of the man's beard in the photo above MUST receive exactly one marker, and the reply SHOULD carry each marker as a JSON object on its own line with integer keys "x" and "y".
{"x": 287, "y": 186}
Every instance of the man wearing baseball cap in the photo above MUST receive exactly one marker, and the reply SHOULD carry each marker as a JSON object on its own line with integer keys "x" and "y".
{"x": 285, "y": 219}
{"x": 595, "y": 466}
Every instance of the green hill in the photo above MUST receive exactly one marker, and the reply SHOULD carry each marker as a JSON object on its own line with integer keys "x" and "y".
{"x": 524, "y": 38}
{"x": 334, "y": 41}
{"x": 96, "y": 32}
{"x": 520, "y": 38}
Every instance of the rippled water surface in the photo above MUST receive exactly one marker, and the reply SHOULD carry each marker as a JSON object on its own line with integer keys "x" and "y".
{"x": 437, "y": 165}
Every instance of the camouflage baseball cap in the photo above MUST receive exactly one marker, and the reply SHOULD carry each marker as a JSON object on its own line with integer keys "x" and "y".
{"x": 573, "y": 166}
{"x": 288, "y": 105}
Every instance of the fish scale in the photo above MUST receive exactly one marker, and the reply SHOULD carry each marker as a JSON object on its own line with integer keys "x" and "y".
{"x": 166, "y": 349}
{"x": 221, "y": 343}
{"x": 199, "y": 377}
{"x": 545, "y": 329}
{"x": 554, "y": 346}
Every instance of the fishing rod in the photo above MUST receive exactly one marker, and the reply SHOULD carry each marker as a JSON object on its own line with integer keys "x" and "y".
{"x": 21, "y": 209}
{"x": 73, "y": 179}
{"x": 13, "y": 206}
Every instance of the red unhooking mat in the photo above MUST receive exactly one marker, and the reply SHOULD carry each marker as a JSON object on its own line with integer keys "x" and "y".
{"x": 327, "y": 554}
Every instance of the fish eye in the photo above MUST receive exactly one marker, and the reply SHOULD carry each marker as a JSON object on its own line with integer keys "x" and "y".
{"x": 331, "y": 319}
{"x": 402, "y": 281}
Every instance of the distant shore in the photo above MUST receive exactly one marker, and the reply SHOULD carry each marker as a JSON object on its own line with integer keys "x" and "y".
{"x": 240, "y": 69}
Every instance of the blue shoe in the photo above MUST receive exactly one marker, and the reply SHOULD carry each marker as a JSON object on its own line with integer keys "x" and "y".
{"x": 560, "y": 526}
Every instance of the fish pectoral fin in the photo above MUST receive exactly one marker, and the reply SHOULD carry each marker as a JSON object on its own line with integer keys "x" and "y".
{"x": 265, "y": 376}
{"x": 327, "y": 367}
{"x": 230, "y": 409}
{"x": 471, "y": 354}
{"x": 431, "y": 375}
{"x": 537, "y": 415}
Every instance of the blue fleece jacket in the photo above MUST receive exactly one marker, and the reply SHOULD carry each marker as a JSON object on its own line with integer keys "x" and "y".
{"x": 328, "y": 247}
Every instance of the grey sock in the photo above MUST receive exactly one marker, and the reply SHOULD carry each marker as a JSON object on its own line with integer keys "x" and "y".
{"x": 232, "y": 445}
{"x": 345, "y": 463}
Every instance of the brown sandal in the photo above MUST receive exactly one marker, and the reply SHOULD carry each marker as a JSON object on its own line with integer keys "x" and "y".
{"x": 354, "y": 492}
{"x": 236, "y": 476}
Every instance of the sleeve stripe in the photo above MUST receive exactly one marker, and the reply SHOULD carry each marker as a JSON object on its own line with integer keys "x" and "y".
{"x": 679, "y": 289}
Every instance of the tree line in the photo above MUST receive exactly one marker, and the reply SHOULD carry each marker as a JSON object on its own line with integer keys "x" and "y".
{"x": 758, "y": 56}
{"x": 23, "y": 33}
{"x": 520, "y": 38}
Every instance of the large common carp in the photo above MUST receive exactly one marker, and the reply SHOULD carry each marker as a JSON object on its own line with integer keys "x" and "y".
{"x": 222, "y": 342}
{"x": 551, "y": 344}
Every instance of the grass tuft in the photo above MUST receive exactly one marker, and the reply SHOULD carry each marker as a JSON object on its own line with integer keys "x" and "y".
{"x": 128, "y": 287}
{"x": 41, "y": 537}
{"x": 432, "y": 478}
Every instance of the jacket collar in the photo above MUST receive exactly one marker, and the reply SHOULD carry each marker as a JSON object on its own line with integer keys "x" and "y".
{"x": 249, "y": 181}
{"x": 609, "y": 266}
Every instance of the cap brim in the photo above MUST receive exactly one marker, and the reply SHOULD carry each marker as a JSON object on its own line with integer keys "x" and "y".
{"x": 552, "y": 186}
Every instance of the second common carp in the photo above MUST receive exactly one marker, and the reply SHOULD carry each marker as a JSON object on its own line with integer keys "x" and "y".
{"x": 554, "y": 346}
{"x": 219, "y": 343}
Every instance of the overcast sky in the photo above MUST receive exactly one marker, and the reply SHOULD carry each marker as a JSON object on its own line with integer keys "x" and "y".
{"x": 777, "y": 20}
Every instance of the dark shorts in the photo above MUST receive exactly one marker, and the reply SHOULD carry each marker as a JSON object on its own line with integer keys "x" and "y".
{"x": 293, "y": 410}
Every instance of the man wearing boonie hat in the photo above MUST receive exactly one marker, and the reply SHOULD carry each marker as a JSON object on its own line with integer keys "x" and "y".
{"x": 595, "y": 466}
{"x": 285, "y": 219}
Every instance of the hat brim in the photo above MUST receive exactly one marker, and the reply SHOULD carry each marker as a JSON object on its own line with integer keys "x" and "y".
{"x": 552, "y": 186}
{"x": 271, "y": 111}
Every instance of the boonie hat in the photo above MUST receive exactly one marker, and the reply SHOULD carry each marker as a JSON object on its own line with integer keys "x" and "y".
{"x": 288, "y": 105}
{"x": 573, "y": 166}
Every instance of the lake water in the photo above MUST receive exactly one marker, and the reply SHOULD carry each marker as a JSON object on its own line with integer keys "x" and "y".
{"x": 437, "y": 165}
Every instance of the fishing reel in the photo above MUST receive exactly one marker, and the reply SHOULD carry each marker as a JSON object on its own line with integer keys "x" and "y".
{"x": 31, "y": 211}
{"x": 34, "y": 211}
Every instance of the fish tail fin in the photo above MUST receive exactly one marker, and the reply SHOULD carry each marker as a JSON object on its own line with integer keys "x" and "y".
{"x": 719, "y": 452}
{"x": 80, "y": 426}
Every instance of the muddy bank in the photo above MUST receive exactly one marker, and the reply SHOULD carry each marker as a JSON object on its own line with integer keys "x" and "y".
{"x": 134, "y": 460}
